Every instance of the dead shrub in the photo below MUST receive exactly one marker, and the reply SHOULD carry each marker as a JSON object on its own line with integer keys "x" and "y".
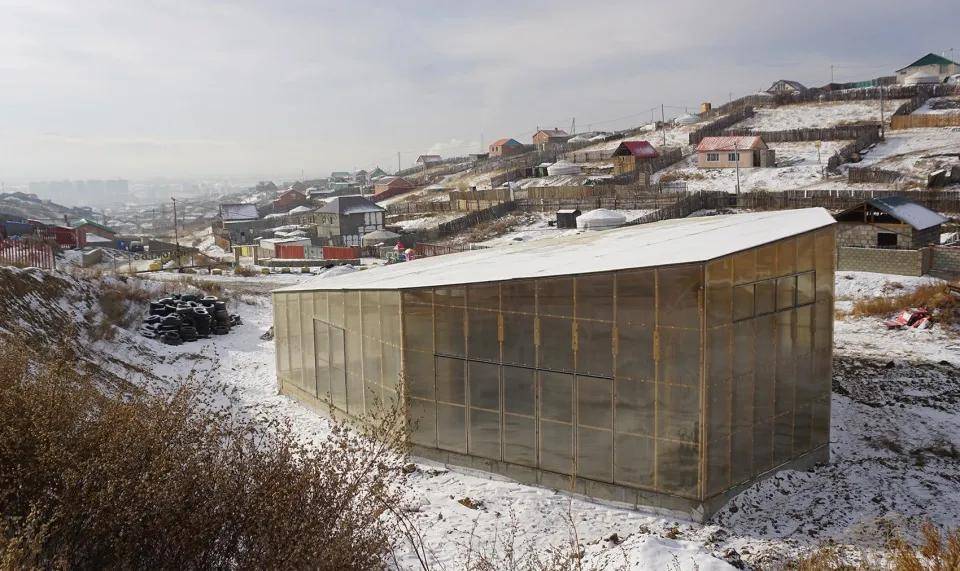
{"x": 934, "y": 297}
{"x": 245, "y": 271}
{"x": 206, "y": 286}
{"x": 118, "y": 303}
{"x": 92, "y": 477}
{"x": 938, "y": 551}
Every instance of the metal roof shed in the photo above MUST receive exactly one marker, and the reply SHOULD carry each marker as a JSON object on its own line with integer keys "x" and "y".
{"x": 639, "y": 364}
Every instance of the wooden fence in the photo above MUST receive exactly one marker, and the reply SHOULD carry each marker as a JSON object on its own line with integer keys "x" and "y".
{"x": 839, "y": 133}
{"x": 27, "y": 253}
{"x": 470, "y": 220}
{"x": 859, "y": 175}
{"x": 944, "y": 201}
{"x": 687, "y": 205}
{"x": 420, "y": 207}
{"x": 717, "y": 125}
{"x": 924, "y": 121}
{"x": 426, "y": 250}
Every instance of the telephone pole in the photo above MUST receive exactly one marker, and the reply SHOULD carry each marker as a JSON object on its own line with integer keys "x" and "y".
{"x": 663, "y": 127}
{"x": 398, "y": 163}
{"x": 176, "y": 235}
{"x": 881, "y": 113}
{"x": 831, "y": 72}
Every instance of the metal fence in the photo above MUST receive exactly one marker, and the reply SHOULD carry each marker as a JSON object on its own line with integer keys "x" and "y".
{"x": 27, "y": 253}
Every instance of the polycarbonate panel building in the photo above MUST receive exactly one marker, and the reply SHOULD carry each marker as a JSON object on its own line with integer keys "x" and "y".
{"x": 665, "y": 365}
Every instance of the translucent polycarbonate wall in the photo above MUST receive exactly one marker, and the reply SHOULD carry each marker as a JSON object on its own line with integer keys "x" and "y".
{"x": 769, "y": 318}
{"x": 680, "y": 381}
{"x": 342, "y": 348}
{"x": 594, "y": 376}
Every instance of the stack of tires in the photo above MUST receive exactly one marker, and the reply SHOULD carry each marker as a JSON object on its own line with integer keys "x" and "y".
{"x": 179, "y": 318}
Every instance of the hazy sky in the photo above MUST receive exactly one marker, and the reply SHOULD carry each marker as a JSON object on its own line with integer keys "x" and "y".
{"x": 128, "y": 88}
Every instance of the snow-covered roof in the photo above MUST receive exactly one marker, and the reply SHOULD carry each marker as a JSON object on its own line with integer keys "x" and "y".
{"x": 300, "y": 210}
{"x": 916, "y": 215}
{"x": 233, "y": 212}
{"x": 739, "y": 143}
{"x": 352, "y": 204}
{"x": 96, "y": 239}
{"x": 680, "y": 241}
{"x": 562, "y": 167}
{"x": 601, "y": 218}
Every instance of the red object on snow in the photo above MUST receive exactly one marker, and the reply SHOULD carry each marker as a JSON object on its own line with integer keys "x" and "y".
{"x": 917, "y": 318}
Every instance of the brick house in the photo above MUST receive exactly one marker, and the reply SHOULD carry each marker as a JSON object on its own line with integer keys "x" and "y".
{"x": 391, "y": 186}
{"x": 289, "y": 199}
{"x": 505, "y": 147}
{"x": 88, "y": 227}
{"x": 346, "y": 219}
{"x": 730, "y": 152}
{"x": 550, "y": 139}
{"x": 892, "y": 222}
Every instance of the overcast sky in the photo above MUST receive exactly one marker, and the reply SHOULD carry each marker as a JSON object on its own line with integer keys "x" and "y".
{"x": 126, "y": 88}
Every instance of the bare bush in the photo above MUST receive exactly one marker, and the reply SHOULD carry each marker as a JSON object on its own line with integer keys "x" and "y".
{"x": 91, "y": 477}
{"x": 935, "y": 297}
{"x": 245, "y": 271}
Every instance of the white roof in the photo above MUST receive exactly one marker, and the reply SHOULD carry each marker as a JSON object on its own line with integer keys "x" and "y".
{"x": 562, "y": 167}
{"x": 601, "y": 218}
{"x": 681, "y": 241}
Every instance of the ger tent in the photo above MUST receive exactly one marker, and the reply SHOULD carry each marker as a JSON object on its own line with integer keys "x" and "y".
{"x": 600, "y": 219}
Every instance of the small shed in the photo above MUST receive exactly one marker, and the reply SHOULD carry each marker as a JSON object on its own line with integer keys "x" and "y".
{"x": 567, "y": 217}
{"x": 629, "y": 153}
{"x": 890, "y": 222}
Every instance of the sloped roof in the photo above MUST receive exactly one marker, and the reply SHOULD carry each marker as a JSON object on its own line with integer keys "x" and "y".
{"x": 746, "y": 143}
{"x": 929, "y": 59}
{"x": 233, "y": 212}
{"x": 429, "y": 159}
{"x": 794, "y": 84}
{"x": 639, "y": 149}
{"x": 918, "y": 216}
{"x": 505, "y": 141}
{"x": 352, "y": 204}
{"x": 388, "y": 180}
{"x": 552, "y": 133}
{"x": 95, "y": 224}
{"x": 679, "y": 241}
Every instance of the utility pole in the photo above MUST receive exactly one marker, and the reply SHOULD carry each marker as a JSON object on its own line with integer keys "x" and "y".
{"x": 663, "y": 127}
{"x": 573, "y": 126}
{"x": 831, "y": 72}
{"x": 176, "y": 235}
{"x": 881, "y": 113}
{"x": 398, "y": 163}
{"x": 736, "y": 149}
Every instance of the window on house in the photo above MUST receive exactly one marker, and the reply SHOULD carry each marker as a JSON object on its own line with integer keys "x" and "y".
{"x": 713, "y": 157}
{"x": 886, "y": 240}
{"x": 735, "y": 157}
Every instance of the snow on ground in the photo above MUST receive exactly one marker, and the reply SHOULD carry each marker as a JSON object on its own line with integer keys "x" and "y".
{"x": 426, "y": 221}
{"x": 896, "y": 418}
{"x": 808, "y": 115}
{"x": 939, "y": 106}
{"x": 909, "y": 150}
{"x": 535, "y": 226}
{"x": 800, "y": 166}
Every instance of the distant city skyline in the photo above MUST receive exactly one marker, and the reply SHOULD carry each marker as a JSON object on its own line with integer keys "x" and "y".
{"x": 136, "y": 90}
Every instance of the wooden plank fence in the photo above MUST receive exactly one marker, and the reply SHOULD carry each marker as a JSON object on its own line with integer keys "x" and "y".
{"x": 858, "y": 175}
{"x": 474, "y": 218}
{"x": 27, "y": 253}
{"x": 924, "y": 121}
{"x": 687, "y": 205}
{"x": 717, "y": 125}
{"x": 944, "y": 201}
{"x": 426, "y": 250}
{"x": 838, "y": 133}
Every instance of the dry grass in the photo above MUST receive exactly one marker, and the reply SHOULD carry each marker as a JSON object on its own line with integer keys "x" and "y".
{"x": 934, "y": 297}
{"x": 937, "y": 551}
{"x": 245, "y": 271}
{"x": 92, "y": 477}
